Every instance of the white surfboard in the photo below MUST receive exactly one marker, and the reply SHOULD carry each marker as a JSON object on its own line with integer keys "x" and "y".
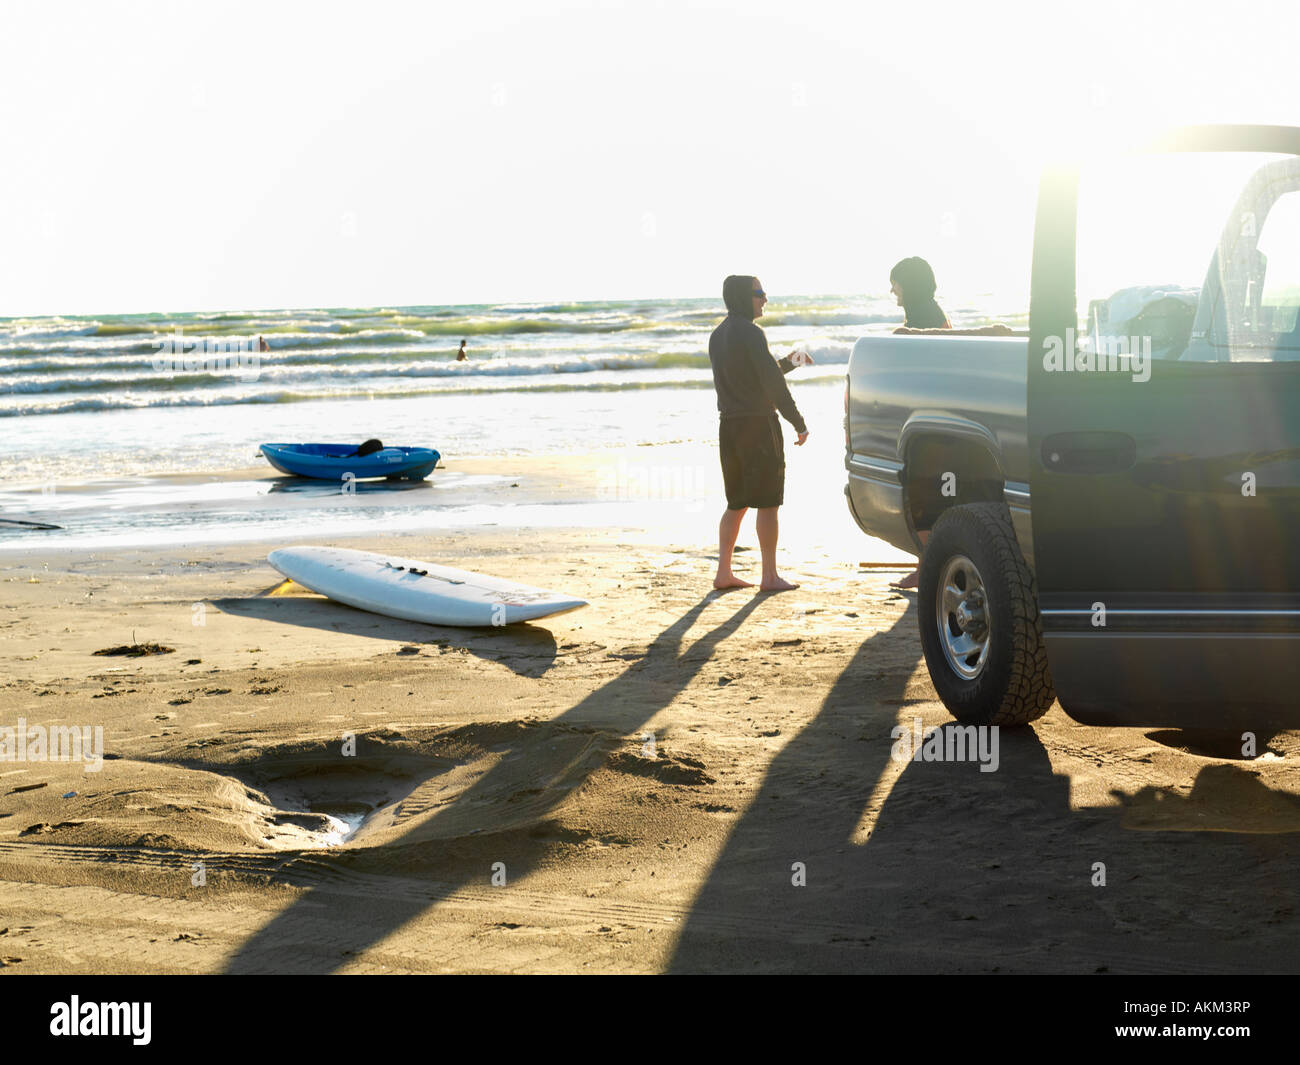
{"x": 416, "y": 591}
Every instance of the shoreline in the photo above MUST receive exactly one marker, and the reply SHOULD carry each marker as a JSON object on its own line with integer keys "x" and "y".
{"x": 670, "y": 491}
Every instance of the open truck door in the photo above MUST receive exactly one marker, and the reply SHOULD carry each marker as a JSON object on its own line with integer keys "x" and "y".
{"x": 1164, "y": 430}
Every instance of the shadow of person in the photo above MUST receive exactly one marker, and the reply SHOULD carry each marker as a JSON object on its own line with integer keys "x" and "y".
{"x": 938, "y": 883}
{"x": 749, "y": 915}
{"x": 935, "y": 866}
{"x": 320, "y": 930}
{"x": 855, "y": 857}
{"x": 527, "y": 649}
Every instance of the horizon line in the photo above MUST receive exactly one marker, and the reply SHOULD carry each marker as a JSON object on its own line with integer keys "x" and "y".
{"x": 419, "y": 306}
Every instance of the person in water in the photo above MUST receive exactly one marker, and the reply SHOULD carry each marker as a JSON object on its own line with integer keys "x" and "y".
{"x": 751, "y": 389}
{"x": 462, "y": 355}
{"x": 262, "y": 345}
{"x": 912, "y": 283}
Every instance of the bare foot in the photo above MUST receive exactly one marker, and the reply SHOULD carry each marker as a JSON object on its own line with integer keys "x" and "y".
{"x": 778, "y": 585}
{"x": 729, "y": 580}
{"x": 910, "y": 581}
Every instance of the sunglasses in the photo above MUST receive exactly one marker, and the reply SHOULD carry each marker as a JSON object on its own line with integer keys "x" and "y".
{"x": 759, "y": 292}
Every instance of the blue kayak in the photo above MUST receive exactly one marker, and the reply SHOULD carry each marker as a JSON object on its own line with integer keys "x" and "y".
{"x": 332, "y": 462}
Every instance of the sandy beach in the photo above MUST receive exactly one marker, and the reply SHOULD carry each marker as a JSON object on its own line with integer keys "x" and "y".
{"x": 670, "y": 779}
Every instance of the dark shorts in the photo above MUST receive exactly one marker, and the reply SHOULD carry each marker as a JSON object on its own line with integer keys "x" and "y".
{"x": 753, "y": 461}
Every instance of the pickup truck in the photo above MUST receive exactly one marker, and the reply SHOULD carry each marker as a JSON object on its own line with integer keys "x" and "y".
{"x": 1107, "y": 506}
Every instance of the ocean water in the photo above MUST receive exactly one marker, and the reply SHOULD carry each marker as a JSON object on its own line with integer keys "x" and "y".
{"x": 93, "y": 407}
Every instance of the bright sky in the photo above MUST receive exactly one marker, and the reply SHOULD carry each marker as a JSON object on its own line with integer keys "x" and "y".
{"x": 168, "y": 156}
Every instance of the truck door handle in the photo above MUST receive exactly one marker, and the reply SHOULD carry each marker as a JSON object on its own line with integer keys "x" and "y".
{"x": 1089, "y": 452}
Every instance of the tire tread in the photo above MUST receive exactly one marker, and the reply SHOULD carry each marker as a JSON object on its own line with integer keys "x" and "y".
{"x": 1028, "y": 693}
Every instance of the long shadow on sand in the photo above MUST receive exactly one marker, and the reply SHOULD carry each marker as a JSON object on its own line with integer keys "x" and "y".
{"x": 320, "y": 930}
{"x": 969, "y": 871}
{"x": 529, "y": 649}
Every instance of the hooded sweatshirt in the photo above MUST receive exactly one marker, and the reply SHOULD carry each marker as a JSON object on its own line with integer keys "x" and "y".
{"x": 747, "y": 379}
{"x": 920, "y": 309}
{"x": 927, "y": 315}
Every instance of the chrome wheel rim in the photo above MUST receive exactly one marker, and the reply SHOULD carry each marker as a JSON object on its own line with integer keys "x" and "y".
{"x": 961, "y": 616}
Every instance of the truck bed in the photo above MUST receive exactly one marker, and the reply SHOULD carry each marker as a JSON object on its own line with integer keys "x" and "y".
{"x": 906, "y": 389}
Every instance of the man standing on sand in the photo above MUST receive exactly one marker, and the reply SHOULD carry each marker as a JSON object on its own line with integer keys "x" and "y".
{"x": 751, "y": 389}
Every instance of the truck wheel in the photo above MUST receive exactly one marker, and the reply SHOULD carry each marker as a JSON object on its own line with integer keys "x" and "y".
{"x": 980, "y": 627}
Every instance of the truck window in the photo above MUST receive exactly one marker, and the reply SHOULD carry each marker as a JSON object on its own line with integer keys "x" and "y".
{"x": 1163, "y": 268}
{"x": 1267, "y": 271}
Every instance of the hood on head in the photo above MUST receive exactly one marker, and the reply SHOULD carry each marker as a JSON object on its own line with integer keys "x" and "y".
{"x": 916, "y": 279}
{"x": 738, "y": 295}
